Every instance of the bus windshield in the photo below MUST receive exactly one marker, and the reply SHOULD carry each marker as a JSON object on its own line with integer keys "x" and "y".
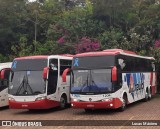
{"x": 92, "y": 74}
{"x": 26, "y": 77}
{"x": 91, "y": 81}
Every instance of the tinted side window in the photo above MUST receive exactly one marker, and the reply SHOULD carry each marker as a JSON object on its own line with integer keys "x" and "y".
{"x": 53, "y": 64}
{"x": 128, "y": 64}
{"x": 64, "y": 64}
{"x": 134, "y": 64}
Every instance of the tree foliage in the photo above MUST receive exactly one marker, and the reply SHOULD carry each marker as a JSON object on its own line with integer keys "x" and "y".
{"x": 74, "y": 26}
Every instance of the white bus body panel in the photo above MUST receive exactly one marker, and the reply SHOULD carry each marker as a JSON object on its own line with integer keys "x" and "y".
{"x": 134, "y": 95}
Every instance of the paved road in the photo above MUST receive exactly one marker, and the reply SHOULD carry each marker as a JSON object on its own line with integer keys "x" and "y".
{"x": 138, "y": 111}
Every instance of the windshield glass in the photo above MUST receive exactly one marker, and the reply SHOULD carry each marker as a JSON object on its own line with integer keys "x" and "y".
{"x": 91, "y": 81}
{"x": 27, "y": 83}
{"x": 26, "y": 77}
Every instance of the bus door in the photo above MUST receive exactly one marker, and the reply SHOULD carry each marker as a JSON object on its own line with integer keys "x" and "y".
{"x": 52, "y": 77}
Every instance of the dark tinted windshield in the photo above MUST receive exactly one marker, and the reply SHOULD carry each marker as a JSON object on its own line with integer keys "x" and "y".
{"x": 29, "y": 64}
{"x": 93, "y": 62}
{"x": 27, "y": 83}
{"x": 91, "y": 81}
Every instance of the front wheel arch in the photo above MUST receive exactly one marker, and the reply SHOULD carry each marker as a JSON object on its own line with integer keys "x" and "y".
{"x": 63, "y": 101}
{"x": 124, "y": 102}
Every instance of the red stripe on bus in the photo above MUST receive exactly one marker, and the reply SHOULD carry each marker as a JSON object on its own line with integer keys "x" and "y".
{"x": 40, "y": 104}
{"x": 153, "y": 90}
{"x": 103, "y": 53}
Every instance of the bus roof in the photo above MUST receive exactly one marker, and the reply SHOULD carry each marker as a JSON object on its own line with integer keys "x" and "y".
{"x": 42, "y": 56}
{"x": 32, "y": 57}
{"x": 112, "y": 52}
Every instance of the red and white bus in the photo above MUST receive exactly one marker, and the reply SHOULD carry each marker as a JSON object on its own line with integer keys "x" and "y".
{"x": 36, "y": 82}
{"x": 111, "y": 79}
{"x": 4, "y": 83}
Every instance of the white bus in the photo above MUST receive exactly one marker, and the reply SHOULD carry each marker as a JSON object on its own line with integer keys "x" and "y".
{"x": 36, "y": 82}
{"x": 4, "y": 83}
{"x": 111, "y": 79}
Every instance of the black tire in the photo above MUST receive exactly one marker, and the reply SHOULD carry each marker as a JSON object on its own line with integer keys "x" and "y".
{"x": 88, "y": 110}
{"x": 124, "y": 104}
{"x": 146, "y": 96}
{"x": 63, "y": 102}
{"x": 150, "y": 94}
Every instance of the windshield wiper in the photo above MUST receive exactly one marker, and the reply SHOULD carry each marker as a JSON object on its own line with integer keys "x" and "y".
{"x": 93, "y": 83}
{"x": 20, "y": 86}
{"x": 85, "y": 83}
{"x": 24, "y": 84}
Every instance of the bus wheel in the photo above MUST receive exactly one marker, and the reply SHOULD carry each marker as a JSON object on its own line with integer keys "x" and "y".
{"x": 88, "y": 110}
{"x": 150, "y": 94}
{"x": 63, "y": 102}
{"x": 146, "y": 95}
{"x": 124, "y": 104}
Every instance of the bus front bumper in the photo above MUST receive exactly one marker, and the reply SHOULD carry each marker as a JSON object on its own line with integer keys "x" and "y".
{"x": 40, "y": 104}
{"x": 115, "y": 103}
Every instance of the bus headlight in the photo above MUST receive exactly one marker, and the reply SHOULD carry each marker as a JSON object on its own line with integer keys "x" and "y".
{"x": 75, "y": 100}
{"x": 40, "y": 98}
{"x": 109, "y": 99}
{"x": 11, "y": 99}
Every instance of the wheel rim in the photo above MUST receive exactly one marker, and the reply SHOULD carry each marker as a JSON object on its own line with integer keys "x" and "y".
{"x": 124, "y": 103}
{"x": 146, "y": 95}
{"x": 150, "y": 94}
{"x": 62, "y": 102}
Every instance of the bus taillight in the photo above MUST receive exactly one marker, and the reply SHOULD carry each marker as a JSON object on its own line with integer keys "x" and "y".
{"x": 114, "y": 73}
{"x": 45, "y": 72}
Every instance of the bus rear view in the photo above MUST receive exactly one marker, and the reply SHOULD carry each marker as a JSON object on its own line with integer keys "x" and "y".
{"x": 102, "y": 80}
{"x": 36, "y": 82}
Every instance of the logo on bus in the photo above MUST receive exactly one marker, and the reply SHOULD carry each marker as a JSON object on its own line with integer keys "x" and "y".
{"x": 14, "y": 64}
{"x": 90, "y": 99}
{"x": 76, "y": 62}
{"x": 135, "y": 83}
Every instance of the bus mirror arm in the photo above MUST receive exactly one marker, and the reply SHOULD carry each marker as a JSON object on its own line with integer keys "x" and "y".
{"x": 65, "y": 74}
{"x": 45, "y": 73}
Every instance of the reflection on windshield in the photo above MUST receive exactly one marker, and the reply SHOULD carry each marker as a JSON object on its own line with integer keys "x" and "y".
{"x": 98, "y": 80}
{"x": 27, "y": 83}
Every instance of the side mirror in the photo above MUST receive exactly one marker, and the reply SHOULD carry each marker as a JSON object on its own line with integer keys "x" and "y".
{"x": 4, "y": 73}
{"x": 45, "y": 72}
{"x": 114, "y": 73}
{"x": 65, "y": 74}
